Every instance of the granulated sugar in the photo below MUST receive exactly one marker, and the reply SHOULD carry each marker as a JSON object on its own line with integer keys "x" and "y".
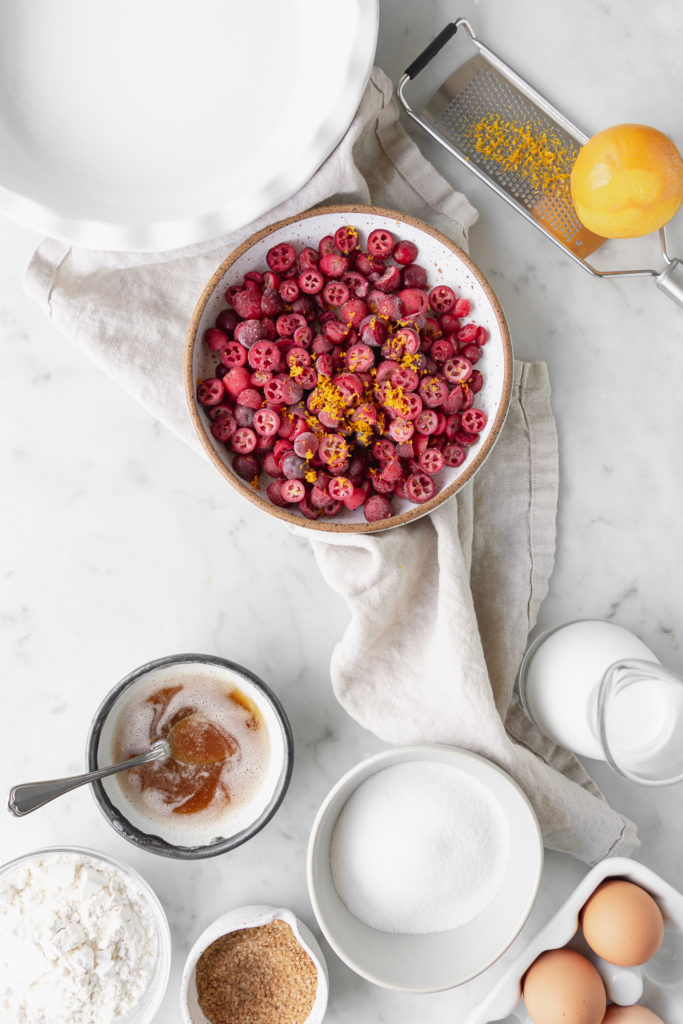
{"x": 419, "y": 847}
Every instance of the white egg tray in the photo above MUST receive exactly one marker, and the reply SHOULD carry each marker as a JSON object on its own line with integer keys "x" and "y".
{"x": 658, "y": 984}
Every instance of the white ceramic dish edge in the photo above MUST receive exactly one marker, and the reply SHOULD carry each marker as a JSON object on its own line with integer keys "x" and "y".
{"x": 505, "y": 997}
{"x": 38, "y": 215}
{"x": 253, "y": 916}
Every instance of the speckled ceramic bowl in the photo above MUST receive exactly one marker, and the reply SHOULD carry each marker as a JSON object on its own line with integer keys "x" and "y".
{"x": 445, "y": 263}
{"x": 251, "y": 917}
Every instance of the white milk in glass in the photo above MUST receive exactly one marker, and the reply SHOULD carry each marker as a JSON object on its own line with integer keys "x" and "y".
{"x": 561, "y": 677}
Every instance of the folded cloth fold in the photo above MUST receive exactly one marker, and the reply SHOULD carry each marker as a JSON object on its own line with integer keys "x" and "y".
{"x": 440, "y": 609}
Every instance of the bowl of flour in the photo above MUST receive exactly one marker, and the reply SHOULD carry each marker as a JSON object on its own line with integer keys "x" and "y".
{"x": 423, "y": 865}
{"x": 83, "y": 938}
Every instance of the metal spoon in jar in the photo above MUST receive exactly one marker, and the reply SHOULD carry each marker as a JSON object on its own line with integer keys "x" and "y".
{"x": 30, "y": 795}
{"x": 192, "y": 741}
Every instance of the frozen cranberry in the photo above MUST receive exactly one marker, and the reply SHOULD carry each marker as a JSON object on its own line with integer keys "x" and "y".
{"x": 246, "y": 466}
{"x": 224, "y": 427}
{"x": 427, "y": 422}
{"x": 476, "y": 382}
{"x": 307, "y": 259}
{"x": 234, "y": 354}
{"x": 389, "y": 281}
{"x": 356, "y": 283}
{"x": 227, "y": 320}
{"x": 289, "y": 290}
{"x": 406, "y": 379}
{"x": 326, "y": 246}
{"x": 292, "y": 491}
{"x": 333, "y": 265}
{"x": 471, "y": 351}
{"x": 211, "y": 391}
{"x": 340, "y": 488}
{"x": 431, "y": 461}
{"x": 293, "y": 467}
{"x": 457, "y": 369}
{"x": 292, "y": 391}
{"x": 281, "y": 257}
{"x": 415, "y": 300}
{"x": 401, "y": 429}
{"x": 266, "y": 422}
{"x": 441, "y": 350}
{"x": 380, "y": 243}
{"x": 466, "y": 439}
{"x": 243, "y": 440}
{"x": 250, "y": 397}
{"x": 271, "y": 302}
{"x": 373, "y": 331}
{"x": 216, "y": 339}
{"x": 367, "y": 264}
{"x": 270, "y": 465}
{"x": 355, "y": 499}
{"x": 408, "y": 339}
{"x": 336, "y": 331}
{"x": 442, "y": 299}
{"x": 466, "y": 334}
{"x": 353, "y": 312}
{"x": 247, "y": 303}
{"x": 473, "y": 421}
{"x": 335, "y": 293}
{"x": 453, "y": 454}
{"x": 244, "y": 416}
{"x": 420, "y": 487}
{"x": 264, "y": 355}
{"x": 346, "y": 239}
{"x": 414, "y": 276}
{"x": 311, "y": 281}
{"x": 274, "y": 490}
{"x": 377, "y": 507}
{"x": 405, "y": 252}
{"x": 433, "y": 391}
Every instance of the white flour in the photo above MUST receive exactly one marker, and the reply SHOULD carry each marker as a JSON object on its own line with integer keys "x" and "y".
{"x": 77, "y": 942}
{"x": 419, "y": 847}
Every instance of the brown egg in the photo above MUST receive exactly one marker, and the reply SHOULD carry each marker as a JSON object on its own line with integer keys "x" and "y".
{"x": 622, "y": 923}
{"x": 562, "y": 987}
{"x": 631, "y": 1015}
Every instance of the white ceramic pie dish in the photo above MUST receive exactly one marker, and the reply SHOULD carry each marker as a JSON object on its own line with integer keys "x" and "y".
{"x": 148, "y": 126}
{"x": 657, "y": 985}
{"x": 437, "y": 961}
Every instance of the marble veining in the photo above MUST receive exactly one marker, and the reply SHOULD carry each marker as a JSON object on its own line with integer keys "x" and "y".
{"x": 120, "y": 545}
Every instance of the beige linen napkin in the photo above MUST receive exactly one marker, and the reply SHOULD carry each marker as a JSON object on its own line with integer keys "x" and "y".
{"x": 440, "y": 609}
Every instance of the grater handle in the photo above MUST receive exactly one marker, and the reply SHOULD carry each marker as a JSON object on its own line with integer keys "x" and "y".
{"x": 670, "y": 281}
{"x": 431, "y": 50}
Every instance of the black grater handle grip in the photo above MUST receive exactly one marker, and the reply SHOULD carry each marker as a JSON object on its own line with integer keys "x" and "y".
{"x": 431, "y": 50}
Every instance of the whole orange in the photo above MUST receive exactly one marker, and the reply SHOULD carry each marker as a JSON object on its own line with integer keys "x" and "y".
{"x": 627, "y": 181}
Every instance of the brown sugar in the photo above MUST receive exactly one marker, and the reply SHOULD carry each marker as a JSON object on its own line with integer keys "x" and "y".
{"x": 257, "y": 975}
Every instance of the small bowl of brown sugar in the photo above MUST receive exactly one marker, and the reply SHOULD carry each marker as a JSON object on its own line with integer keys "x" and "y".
{"x": 259, "y": 964}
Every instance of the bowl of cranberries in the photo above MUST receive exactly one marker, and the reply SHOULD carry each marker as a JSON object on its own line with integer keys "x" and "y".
{"x": 348, "y": 369}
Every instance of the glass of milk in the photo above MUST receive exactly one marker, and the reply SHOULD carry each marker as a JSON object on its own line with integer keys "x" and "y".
{"x": 596, "y": 689}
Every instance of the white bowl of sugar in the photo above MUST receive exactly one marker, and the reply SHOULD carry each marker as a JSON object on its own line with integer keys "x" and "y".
{"x": 423, "y": 865}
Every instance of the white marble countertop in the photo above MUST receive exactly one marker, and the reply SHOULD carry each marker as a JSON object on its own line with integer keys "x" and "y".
{"x": 119, "y": 545}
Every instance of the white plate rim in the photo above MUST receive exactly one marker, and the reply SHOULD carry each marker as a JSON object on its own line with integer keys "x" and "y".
{"x": 165, "y": 235}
